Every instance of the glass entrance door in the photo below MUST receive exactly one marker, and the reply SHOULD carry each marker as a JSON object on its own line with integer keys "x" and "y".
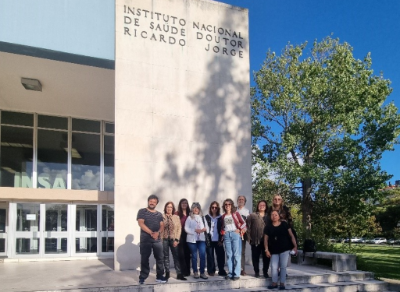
{"x": 27, "y": 233}
{"x": 107, "y": 228}
{"x": 56, "y": 229}
{"x": 3, "y": 231}
{"x": 86, "y": 227}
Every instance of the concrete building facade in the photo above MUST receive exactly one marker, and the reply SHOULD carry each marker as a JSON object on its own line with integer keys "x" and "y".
{"x": 134, "y": 97}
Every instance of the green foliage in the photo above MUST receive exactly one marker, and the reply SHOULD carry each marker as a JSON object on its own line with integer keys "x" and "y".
{"x": 322, "y": 124}
{"x": 388, "y": 213}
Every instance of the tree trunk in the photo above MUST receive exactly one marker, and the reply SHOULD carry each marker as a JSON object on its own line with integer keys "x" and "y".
{"x": 306, "y": 207}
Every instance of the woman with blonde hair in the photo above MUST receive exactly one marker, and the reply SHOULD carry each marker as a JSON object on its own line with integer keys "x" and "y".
{"x": 196, "y": 228}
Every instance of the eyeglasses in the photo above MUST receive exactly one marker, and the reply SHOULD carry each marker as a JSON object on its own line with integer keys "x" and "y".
{"x": 228, "y": 204}
{"x": 214, "y": 207}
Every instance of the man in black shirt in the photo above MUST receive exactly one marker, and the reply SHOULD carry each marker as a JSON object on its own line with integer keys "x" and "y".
{"x": 151, "y": 226}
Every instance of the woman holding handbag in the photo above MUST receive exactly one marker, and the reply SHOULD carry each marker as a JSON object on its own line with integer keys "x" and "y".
{"x": 233, "y": 227}
{"x": 196, "y": 229}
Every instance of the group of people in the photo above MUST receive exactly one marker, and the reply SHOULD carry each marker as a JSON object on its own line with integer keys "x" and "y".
{"x": 190, "y": 235}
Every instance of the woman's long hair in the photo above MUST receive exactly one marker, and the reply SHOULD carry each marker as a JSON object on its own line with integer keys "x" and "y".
{"x": 258, "y": 206}
{"x": 180, "y": 210}
{"x": 233, "y": 208}
{"x": 218, "y": 208}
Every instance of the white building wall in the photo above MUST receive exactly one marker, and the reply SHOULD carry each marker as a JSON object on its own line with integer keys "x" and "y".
{"x": 182, "y": 109}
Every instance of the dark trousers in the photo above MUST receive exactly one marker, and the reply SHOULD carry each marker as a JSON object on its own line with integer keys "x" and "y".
{"x": 256, "y": 251}
{"x": 219, "y": 251}
{"x": 184, "y": 255}
{"x": 167, "y": 245}
{"x": 145, "y": 251}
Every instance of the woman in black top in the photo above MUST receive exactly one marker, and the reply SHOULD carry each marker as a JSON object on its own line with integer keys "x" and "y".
{"x": 277, "y": 237}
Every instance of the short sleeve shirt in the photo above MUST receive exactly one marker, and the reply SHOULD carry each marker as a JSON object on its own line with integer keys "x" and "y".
{"x": 152, "y": 220}
{"x": 278, "y": 237}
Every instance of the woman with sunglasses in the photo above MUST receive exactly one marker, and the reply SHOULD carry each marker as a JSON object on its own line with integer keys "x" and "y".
{"x": 216, "y": 246}
{"x": 233, "y": 227}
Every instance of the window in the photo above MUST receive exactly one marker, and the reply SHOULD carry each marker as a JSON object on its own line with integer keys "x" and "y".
{"x": 71, "y": 153}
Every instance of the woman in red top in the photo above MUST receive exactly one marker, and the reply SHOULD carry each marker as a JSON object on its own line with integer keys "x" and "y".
{"x": 183, "y": 249}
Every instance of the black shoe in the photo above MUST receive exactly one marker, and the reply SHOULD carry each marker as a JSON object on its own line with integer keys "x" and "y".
{"x": 266, "y": 276}
{"x": 272, "y": 286}
{"x": 141, "y": 281}
{"x": 161, "y": 279}
{"x": 181, "y": 277}
{"x": 282, "y": 288}
{"x": 167, "y": 275}
{"x": 257, "y": 275}
{"x": 235, "y": 278}
{"x": 227, "y": 277}
{"x": 222, "y": 274}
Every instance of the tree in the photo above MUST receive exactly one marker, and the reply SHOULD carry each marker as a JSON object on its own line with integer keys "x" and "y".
{"x": 322, "y": 123}
{"x": 388, "y": 212}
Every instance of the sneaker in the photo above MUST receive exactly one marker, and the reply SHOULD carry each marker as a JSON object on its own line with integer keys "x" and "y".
{"x": 227, "y": 277}
{"x": 211, "y": 274}
{"x": 196, "y": 275}
{"x": 282, "y": 288}
{"x": 257, "y": 275}
{"x": 161, "y": 279}
{"x": 203, "y": 276}
{"x": 141, "y": 281}
{"x": 243, "y": 273}
{"x": 235, "y": 278}
{"x": 272, "y": 286}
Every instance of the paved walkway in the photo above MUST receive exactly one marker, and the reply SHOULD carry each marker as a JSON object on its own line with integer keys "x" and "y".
{"x": 83, "y": 274}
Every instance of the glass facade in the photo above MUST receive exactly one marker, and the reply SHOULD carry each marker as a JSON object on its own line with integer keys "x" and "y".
{"x": 41, "y": 151}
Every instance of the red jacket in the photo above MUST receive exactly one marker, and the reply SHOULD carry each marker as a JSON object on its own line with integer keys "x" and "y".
{"x": 239, "y": 223}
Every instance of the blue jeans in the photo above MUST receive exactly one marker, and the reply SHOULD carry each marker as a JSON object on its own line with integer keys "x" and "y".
{"x": 233, "y": 249}
{"x": 201, "y": 247}
{"x": 280, "y": 260}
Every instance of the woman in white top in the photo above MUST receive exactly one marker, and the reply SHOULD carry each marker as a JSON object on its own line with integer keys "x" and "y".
{"x": 195, "y": 227}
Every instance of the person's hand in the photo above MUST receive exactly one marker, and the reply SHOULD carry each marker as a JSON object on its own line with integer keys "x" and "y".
{"x": 198, "y": 231}
{"x": 155, "y": 235}
{"x": 175, "y": 244}
{"x": 267, "y": 254}
{"x": 220, "y": 243}
{"x": 237, "y": 231}
{"x": 295, "y": 250}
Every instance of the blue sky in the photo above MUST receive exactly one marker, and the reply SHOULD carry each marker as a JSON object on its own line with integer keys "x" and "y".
{"x": 367, "y": 25}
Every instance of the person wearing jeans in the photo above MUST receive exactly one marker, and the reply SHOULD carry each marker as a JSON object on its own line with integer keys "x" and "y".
{"x": 233, "y": 227}
{"x": 195, "y": 227}
{"x": 277, "y": 247}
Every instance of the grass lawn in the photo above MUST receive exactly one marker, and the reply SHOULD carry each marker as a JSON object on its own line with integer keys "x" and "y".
{"x": 383, "y": 260}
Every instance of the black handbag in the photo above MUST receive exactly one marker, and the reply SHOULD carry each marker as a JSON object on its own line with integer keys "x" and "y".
{"x": 206, "y": 235}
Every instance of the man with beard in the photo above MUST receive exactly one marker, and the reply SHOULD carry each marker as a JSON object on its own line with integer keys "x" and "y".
{"x": 151, "y": 226}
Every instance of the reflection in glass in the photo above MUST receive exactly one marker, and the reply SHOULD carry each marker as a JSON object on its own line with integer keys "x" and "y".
{"x": 85, "y": 126}
{"x": 2, "y": 245}
{"x": 110, "y": 128}
{"x": 28, "y": 217}
{"x": 52, "y": 159}
{"x": 108, "y": 163}
{"x": 16, "y": 157}
{"x": 15, "y": 118}
{"x": 108, "y": 228}
{"x": 107, "y": 244}
{"x": 86, "y": 245}
{"x": 27, "y": 246}
{"x": 55, "y": 245}
{"x": 52, "y": 122}
{"x": 86, "y": 218}
{"x": 2, "y": 220}
{"x": 85, "y": 161}
{"x": 56, "y": 217}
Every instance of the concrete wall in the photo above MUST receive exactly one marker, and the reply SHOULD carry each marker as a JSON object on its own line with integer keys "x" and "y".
{"x": 182, "y": 109}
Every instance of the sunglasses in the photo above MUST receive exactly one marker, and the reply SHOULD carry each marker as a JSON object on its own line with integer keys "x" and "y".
{"x": 228, "y": 204}
{"x": 214, "y": 207}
